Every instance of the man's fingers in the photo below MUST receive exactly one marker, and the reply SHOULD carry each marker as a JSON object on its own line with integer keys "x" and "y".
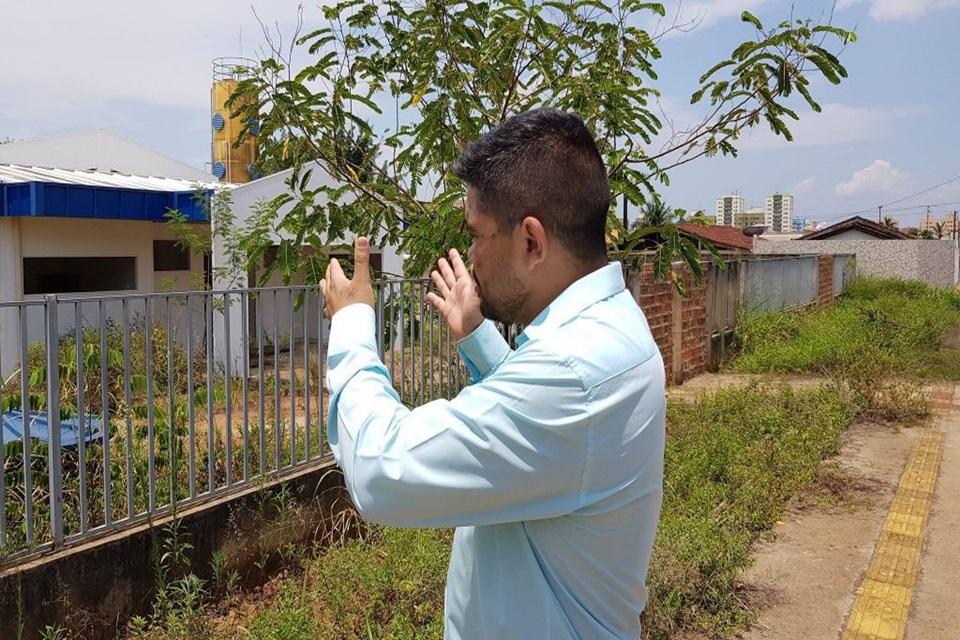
{"x": 440, "y": 283}
{"x": 459, "y": 269}
{"x": 361, "y": 260}
{"x": 436, "y": 301}
{"x": 446, "y": 271}
{"x": 334, "y": 271}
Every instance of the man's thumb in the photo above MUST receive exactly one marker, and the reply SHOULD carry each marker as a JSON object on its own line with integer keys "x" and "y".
{"x": 361, "y": 258}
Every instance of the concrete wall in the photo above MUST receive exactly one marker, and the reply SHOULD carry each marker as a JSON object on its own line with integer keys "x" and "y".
{"x": 67, "y": 237}
{"x": 92, "y": 590}
{"x": 931, "y": 261}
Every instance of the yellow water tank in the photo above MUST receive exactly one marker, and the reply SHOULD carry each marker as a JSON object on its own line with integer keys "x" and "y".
{"x": 231, "y": 162}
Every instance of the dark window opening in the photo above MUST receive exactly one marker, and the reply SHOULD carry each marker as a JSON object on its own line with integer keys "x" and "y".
{"x": 79, "y": 275}
{"x": 170, "y": 256}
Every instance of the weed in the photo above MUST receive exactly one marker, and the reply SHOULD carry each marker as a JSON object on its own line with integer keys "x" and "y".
{"x": 878, "y": 344}
{"x": 225, "y": 581}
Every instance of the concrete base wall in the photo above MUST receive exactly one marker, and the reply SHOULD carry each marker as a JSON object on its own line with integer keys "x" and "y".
{"x": 92, "y": 590}
{"x": 930, "y": 261}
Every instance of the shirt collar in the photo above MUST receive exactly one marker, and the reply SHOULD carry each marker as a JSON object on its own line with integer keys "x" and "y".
{"x": 585, "y": 292}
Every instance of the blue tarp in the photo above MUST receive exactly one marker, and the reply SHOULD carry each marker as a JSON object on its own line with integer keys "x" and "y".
{"x": 39, "y": 429}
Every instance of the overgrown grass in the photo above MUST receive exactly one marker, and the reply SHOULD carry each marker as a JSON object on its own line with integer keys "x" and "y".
{"x": 903, "y": 323}
{"x": 734, "y": 460}
{"x": 879, "y": 345}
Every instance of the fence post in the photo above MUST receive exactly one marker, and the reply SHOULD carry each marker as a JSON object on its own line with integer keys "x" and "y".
{"x": 54, "y": 464}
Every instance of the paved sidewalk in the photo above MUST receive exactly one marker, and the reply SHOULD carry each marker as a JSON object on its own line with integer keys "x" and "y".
{"x": 935, "y": 611}
{"x": 910, "y": 583}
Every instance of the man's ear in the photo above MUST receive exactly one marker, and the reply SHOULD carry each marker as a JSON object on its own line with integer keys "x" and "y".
{"x": 535, "y": 241}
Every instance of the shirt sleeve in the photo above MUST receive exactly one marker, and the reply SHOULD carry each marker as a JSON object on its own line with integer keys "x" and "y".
{"x": 483, "y": 350}
{"x": 510, "y": 447}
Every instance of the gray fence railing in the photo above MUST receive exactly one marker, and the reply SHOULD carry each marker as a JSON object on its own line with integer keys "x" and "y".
{"x": 122, "y": 407}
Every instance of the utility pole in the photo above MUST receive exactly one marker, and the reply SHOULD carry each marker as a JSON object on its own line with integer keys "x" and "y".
{"x": 880, "y": 214}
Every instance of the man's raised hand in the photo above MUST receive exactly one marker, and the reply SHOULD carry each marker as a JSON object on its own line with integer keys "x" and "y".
{"x": 339, "y": 291}
{"x": 456, "y": 298}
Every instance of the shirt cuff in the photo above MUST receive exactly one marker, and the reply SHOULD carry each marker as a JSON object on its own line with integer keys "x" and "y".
{"x": 483, "y": 350}
{"x": 351, "y": 327}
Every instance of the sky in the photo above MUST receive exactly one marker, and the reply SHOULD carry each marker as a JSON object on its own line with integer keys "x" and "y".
{"x": 887, "y": 135}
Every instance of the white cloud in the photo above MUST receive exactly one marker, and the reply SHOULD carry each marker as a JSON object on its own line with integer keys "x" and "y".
{"x": 804, "y": 186}
{"x": 843, "y": 4}
{"x": 879, "y": 178}
{"x": 890, "y": 10}
{"x": 835, "y": 124}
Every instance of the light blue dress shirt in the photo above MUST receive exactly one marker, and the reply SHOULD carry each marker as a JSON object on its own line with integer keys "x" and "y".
{"x": 550, "y": 463}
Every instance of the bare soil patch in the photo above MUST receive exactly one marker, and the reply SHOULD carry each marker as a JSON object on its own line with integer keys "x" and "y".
{"x": 806, "y": 573}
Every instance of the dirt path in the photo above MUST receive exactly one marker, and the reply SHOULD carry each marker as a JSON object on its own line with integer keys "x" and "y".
{"x": 805, "y": 580}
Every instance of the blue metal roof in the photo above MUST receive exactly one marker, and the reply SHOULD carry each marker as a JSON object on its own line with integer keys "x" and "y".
{"x": 86, "y": 201}
{"x": 68, "y": 193}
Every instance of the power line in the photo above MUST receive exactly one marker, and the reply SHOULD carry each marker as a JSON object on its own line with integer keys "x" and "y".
{"x": 839, "y": 216}
{"x": 913, "y": 195}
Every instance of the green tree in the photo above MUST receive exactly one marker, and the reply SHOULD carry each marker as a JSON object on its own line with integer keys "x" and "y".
{"x": 939, "y": 229}
{"x": 655, "y": 213}
{"x": 890, "y": 222}
{"x": 422, "y": 79}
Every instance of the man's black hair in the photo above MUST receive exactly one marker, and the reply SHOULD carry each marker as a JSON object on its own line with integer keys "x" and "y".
{"x": 542, "y": 163}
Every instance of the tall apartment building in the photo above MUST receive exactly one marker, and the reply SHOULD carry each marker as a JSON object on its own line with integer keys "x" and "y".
{"x": 728, "y": 208}
{"x": 779, "y": 213}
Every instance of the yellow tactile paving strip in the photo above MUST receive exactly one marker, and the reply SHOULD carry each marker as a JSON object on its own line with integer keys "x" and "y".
{"x": 883, "y": 600}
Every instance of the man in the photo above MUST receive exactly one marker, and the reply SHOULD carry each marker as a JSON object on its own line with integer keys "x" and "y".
{"x": 550, "y": 464}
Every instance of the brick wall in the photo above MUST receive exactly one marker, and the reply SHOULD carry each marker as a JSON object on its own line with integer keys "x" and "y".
{"x": 678, "y": 325}
{"x": 693, "y": 329}
{"x": 824, "y": 281}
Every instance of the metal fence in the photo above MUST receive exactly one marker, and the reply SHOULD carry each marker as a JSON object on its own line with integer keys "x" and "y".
{"x": 780, "y": 283}
{"x": 762, "y": 283}
{"x": 122, "y": 407}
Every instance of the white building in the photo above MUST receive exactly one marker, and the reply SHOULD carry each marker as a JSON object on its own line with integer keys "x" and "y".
{"x": 779, "y": 213}
{"x": 81, "y": 233}
{"x": 78, "y": 234}
{"x": 729, "y": 208}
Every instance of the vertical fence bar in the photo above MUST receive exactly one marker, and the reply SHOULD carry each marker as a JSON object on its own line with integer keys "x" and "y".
{"x": 105, "y": 418}
{"x": 174, "y": 437}
{"x": 228, "y": 387}
{"x": 307, "y": 441}
{"x": 191, "y": 417}
{"x": 393, "y": 330}
{"x": 277, "y": 430}
{"x": 428, "y": 308}
{"x": 151, "y": 436}
{"x": 321, "y": 363}
{"x": 262, "y": 380}
{"x": 293, "y": 382}
{"x": 245, "y": 390}
{"x": 27, "y": 418}
{"x": 402, "y": 301}
{"x": 54, "y": 457}
{"x": 128, "y": 398}
{"x": 208, "y": 332}
{"x": 81, "y": 417}
{"x": 417, "y": 298}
